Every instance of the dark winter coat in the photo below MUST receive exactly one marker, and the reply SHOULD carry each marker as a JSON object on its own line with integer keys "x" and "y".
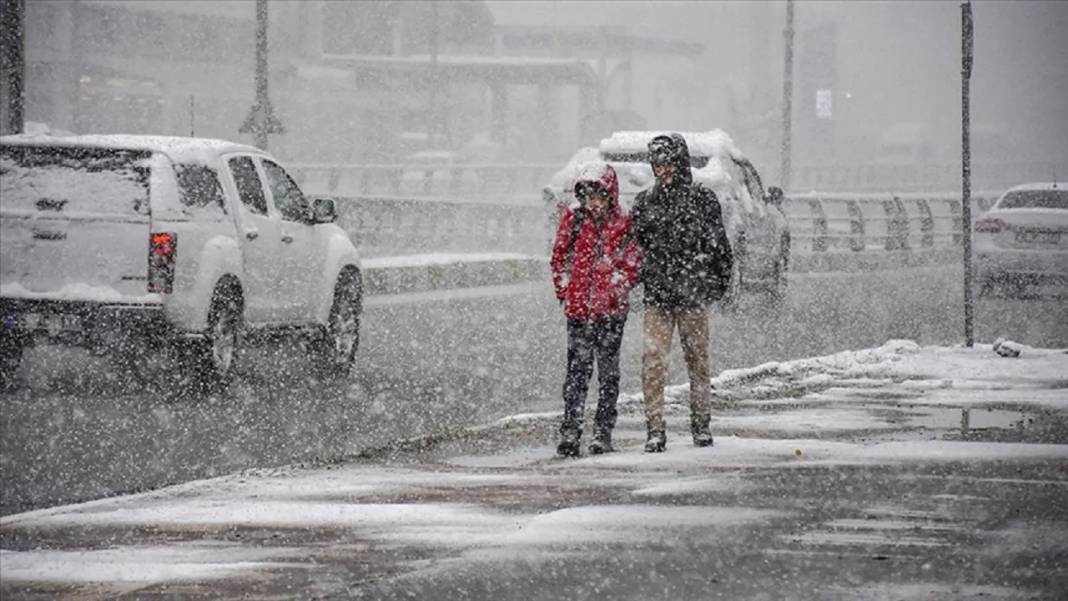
{"x": 594, "y": 273}
{"x": 686, "y": 256}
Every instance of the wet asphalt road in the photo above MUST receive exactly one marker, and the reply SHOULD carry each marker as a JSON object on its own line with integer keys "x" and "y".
{"x": 688, "y": 524}
{"x": 79, "y": 429}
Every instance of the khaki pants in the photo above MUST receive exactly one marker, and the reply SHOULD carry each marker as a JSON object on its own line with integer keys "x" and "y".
{"x": 657, "y": 330}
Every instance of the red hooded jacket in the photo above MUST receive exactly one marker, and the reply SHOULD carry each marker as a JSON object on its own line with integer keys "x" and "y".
{"x": 594, "y": 274}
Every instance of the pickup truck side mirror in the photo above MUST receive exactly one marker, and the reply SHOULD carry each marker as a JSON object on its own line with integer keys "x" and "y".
{"x": 775, "y": 196}
{"x": 323, "y": 210}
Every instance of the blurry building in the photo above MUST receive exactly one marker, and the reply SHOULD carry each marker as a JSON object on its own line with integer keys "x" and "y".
{"x": 491, "y": 80}
{"x": 350, "y": 81}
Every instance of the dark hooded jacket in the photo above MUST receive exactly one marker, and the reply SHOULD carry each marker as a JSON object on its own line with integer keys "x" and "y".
{"x": 686, "y": 257}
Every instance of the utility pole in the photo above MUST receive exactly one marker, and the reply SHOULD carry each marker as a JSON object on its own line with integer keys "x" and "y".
{"x": 261, "y": 120}
{"x": 967, "y": 45}
{"x": 13, "y": 66}
{"x": 787, "y": 95}
{"x": 435, "y": 96}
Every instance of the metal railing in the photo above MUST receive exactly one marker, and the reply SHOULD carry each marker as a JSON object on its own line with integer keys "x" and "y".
{"x": 820, "y": 224}
{"x": 506, "y": 182}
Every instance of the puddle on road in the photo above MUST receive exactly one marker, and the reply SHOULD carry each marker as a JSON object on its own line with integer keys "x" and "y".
{"x": 976, "y": 419}
{"x": 993, "y": 425}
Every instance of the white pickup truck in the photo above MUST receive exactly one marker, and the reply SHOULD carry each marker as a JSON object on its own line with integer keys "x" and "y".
{"x": 127, "y": 244}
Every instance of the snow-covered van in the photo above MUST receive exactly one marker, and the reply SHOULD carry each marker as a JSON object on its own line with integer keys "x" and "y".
{"x": 130, "y": 244}
{"x": 756, "y": 225}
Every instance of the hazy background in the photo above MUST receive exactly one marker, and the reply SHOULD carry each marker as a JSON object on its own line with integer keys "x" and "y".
{"x": 528, "y": 82}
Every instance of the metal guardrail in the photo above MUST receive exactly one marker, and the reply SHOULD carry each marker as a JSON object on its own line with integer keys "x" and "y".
{"x": 856, "y": 225}
{"x": 829, "y": 222}
{"x": 499, "y": 182}
{"x": 413, "y": 209}
{"x": 920, "y": 178}
{"x": 384, "y": 226}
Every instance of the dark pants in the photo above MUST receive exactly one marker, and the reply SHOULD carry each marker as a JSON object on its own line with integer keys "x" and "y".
{"x": 598, "y": 339}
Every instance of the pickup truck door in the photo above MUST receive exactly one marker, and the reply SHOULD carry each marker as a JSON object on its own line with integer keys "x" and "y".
{"x": 300, "y": 259}
{"x": 259, "y": 235}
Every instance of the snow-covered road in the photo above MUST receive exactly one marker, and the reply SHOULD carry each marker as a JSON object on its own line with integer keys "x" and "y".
{"x": 836, "y": 477}
{"x": 428, "y": 362}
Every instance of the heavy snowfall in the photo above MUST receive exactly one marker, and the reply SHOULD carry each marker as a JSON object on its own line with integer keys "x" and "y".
{"x": 533, "y": 299}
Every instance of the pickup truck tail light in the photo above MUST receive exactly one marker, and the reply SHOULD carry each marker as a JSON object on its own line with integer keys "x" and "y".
{"x": 162, "y": 248}
{"x": 990, "y": 226}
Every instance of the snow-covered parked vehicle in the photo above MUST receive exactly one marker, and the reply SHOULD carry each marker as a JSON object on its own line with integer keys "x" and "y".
{"x": 132, "y": 244}
{"x": 756, "y": 225}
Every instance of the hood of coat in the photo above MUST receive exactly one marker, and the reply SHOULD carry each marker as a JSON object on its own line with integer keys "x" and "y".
{"x": 673, "y": 148}
{"x": 602, "y": 174}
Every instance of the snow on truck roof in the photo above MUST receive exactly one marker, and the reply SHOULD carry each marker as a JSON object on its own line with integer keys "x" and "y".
{"x": 623, "y": 148}
{"x": 711, "y": 143}
{"x": 178, "y": 148}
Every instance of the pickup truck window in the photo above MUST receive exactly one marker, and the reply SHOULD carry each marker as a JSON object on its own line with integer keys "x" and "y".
{"x": 248, "y": 183}
{"x": 75, "y": 179}
{"x": 198, "y": 186}
{"x": 288, "y": 198}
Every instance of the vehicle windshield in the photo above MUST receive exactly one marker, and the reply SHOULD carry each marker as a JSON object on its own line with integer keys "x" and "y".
{"x": 696, "y": 161}
{"x": 1035, "y": 199}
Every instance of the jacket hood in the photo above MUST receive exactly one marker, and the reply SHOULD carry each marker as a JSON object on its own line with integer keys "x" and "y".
{"x": 674, "y": 147}
{"x": 602, "y": 174}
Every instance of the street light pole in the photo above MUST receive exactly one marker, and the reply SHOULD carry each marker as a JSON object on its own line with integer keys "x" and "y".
{"x": 13, "y": 65}
{"x": 966, "y": 166}
{"x": 261, "y": 120}
{"x": 787, "y": 95}
{"x": 435, "y": 96}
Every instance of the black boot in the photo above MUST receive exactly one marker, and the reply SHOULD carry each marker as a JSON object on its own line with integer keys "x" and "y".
{"x": 702, "y": 435}
{"x": 602, "y": 441}
{"x": 656, "y": 440}
{"x": 569, "y": 441}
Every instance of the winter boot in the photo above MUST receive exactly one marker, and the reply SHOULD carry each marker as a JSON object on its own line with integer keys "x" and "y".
{"x": 656, "y": 439}
{"x": 602, "y": 442}
{"x": 702, "y": 436}
{"x": 569, "y": 442}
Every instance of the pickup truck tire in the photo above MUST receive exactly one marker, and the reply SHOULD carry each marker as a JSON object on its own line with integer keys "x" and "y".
{"x": 733, "y": 296}
{"x": 212, "y": 360}
{"x": 336, "y": 348}
{"x": 10, "y": 358}
{"x": 780, "y": 284}
{"x": 987, "y": 288}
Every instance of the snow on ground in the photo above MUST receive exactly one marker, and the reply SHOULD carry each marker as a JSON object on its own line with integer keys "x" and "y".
{"x": 476, "y": 503}
{"x": 137, "y": 564}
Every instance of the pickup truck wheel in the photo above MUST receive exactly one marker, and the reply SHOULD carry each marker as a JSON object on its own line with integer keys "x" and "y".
{"x": 213, "y": 358}
{"x": 10, "y": 358}
{"x": 780, "y": 284}
{"x": 222, "y": 337}
{"x": 732, "y": 297}
{"x": 987, "y": 288}
{"x": 341, "y": 337}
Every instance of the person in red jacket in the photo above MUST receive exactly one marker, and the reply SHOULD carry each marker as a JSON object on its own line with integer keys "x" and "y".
{"x": 595, "y": 265}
